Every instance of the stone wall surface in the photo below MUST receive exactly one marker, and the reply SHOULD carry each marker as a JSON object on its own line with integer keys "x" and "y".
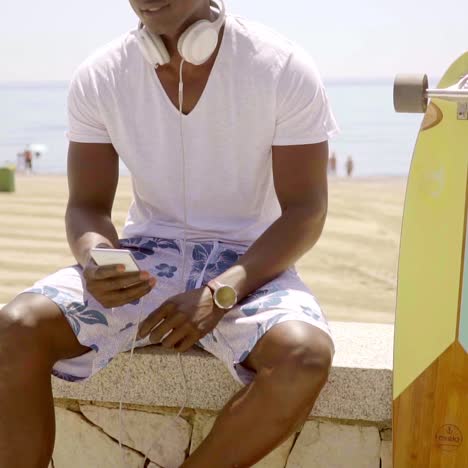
{"x": 359, "y": 386}
{"x": 79, "y": 444}
{"x": 90, "y": 438}
{"x": 331, "y": 445}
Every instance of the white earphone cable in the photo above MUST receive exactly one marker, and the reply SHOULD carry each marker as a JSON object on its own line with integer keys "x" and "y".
{"x": 125, "y": 382}
{"x": 184, "y": 182}
{"x": 182, "y": 287}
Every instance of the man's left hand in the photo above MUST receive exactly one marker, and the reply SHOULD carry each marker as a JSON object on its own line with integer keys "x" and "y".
{"x": 190, "y": 316}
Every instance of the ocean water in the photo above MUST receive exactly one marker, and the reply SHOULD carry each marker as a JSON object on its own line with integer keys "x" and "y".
{"x": 379, "y": 140}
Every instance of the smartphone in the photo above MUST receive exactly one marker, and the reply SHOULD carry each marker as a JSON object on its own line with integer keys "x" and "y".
{"x": 115, "y": 257}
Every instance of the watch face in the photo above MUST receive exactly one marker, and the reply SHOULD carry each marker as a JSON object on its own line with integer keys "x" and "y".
{"x": 225, "y": 297}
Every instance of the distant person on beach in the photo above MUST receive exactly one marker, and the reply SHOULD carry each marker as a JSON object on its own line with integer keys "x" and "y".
{"x": 223, "y": 209}
{"x": 349, "y": 166}
{"x": 332, "y": 164}
{"x": 28, "y": 159}
{"x": 25, "y": 159}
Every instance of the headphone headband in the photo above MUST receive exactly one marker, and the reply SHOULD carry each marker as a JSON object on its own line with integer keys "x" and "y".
{"x": 222, "y": 13}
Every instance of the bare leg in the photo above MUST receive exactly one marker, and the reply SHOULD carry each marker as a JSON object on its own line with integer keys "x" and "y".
{"x": 34, "y": 334}
{"x": 292, "y": 362}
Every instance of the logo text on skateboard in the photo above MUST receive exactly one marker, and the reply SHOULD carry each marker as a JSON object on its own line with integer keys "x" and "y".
{"x": 449, "y": 437}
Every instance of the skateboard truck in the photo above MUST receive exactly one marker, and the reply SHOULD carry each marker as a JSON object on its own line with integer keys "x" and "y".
{"x": 411, "y": 94}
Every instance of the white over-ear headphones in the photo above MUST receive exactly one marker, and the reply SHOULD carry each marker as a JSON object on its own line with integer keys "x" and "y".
{"x": 196, "y": 45}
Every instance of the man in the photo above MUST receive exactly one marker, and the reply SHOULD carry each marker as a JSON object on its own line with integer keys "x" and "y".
{"x": 250, "y": 178}
{"x": 349, "y": 166}
{"x": 28, "y": 157}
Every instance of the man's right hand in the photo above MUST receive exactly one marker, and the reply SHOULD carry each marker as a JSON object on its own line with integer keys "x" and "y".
{"x": 113, "y": 287}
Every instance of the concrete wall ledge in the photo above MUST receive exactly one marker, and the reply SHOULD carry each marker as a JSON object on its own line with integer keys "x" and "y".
{"x": 359, "y": 387}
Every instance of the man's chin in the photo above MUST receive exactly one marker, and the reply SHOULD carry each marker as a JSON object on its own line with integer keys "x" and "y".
{"x": 159, "y": 29}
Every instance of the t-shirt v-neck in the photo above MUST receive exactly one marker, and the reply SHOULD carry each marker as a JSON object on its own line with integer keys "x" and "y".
{"x": 213, "y": 74}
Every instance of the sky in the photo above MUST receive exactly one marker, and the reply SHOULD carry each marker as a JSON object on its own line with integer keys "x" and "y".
{"x": 360, "y": 39}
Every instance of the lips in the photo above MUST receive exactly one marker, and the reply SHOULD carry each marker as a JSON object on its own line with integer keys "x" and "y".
{"x": 153, "y": 7}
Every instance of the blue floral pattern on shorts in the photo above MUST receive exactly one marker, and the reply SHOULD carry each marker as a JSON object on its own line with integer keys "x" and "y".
{"x": 200, "y": 255}
{"x": 110, "y": 331}
{"x": 77, "y": 313}
{"x": 165, "y": 270}
{"x": 144, "y": 248}
{"x": 254, "y": 302}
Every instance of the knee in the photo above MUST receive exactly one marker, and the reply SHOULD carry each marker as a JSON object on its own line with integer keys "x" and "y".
{"x": 21, "y": 335}
{"x": 303, "y": 356}
{"x": 306, "y": 364}
{"x": 18, "y": 321}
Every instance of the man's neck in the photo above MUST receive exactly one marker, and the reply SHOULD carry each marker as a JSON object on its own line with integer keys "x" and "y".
{"x": 171, "y": 40}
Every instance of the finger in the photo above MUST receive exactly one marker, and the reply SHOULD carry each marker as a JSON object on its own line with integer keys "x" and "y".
{"x": 126, "y": 296}
{"x": 108, "y": 271}
{"x": 140, "y": 290}
{"x": 179, "y": 334}
{"x": 154, "y": 318}
{"x": 187, "y": 343}
{"x": 118, "y": 287}
{"x": 168, "y": 324}
{"x": 124, "y": 281}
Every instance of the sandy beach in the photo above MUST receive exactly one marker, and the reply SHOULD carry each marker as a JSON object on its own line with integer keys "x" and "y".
{"x": 352, "y": 270}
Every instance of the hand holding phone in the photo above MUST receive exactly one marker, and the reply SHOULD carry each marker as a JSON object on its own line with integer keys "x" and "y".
{"x": 114, "y": 278}
{"x": 124, "y": 257}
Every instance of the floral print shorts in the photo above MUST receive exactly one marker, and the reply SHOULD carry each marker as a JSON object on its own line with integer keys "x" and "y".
{"x": 108, "y": 332}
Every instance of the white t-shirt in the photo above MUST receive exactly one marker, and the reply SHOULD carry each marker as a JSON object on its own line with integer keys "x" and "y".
{"x": 263, "y": 91}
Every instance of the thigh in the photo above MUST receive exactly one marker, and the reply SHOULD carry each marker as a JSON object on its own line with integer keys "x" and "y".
{"x": 38, "y": 321}
{"x": 105, "y": 332}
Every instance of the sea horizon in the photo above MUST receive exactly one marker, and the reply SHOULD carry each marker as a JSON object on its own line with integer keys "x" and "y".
{"x": 379, "y": 140}
{"x": 328, "y": 80}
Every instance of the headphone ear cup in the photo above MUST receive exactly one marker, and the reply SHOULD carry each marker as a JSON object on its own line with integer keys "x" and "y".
{"x": 197, "y": 44}
{"x": 152, "y": 48}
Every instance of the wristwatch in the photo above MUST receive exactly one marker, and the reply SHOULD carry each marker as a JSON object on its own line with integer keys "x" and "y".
{"x": 224, "y": 296}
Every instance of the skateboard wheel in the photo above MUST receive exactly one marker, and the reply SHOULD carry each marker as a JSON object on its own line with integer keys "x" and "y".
{"x": 409, "y": 93}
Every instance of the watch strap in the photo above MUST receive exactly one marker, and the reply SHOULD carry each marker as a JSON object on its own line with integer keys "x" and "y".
{"x": 214, "y": 285}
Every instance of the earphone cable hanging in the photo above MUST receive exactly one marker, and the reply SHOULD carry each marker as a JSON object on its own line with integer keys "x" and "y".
{"x": 218, "y": 24}
{"x": 184, "y": 182}
{"x": 181, "y": 101}
{"x": 124, "y": 387}
{"x": 121, "y": 423}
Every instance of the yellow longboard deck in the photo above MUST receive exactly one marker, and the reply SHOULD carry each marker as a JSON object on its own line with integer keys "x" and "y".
{"x": 430, "y": 386}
